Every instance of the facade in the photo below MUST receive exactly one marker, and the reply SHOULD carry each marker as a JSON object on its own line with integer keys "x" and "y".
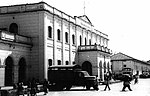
{"x": 120, "y": 61}
{"x": 36, "y": 36}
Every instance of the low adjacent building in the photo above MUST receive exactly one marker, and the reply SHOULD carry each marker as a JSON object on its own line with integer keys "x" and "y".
{"x": 120, "y": 61}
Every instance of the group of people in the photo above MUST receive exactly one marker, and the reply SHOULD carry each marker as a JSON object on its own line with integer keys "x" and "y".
{"x": 32, "y": 88}
{"x": 126, "y": 81}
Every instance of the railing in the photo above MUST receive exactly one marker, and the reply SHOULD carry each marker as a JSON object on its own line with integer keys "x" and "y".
{"x": 4, "y": 35}
{"x": 94, "y": 48}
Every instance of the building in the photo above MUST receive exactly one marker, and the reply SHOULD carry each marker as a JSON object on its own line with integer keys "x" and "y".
{"x": 120, "y": 61}
{"x": 36, "y": 36}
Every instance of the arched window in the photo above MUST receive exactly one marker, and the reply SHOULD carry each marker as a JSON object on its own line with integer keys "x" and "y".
{"x": 13, "y": 28}
{"x": 67, "y": 62}
{"x": 59, "y": 62}
{"x": 58, "y": 34}
{"x": 85, "y": 41}
{"x": 73, "y": 39}
{"x": 49, "y": 62}
{"x": 104, "y": 67}
{"x": 108, "y": 66}
{"x": 49, "y": 31}
{"x": 66, "y": 37}
{"x": 80, "y": 40}
{"x": 90, "y": 42}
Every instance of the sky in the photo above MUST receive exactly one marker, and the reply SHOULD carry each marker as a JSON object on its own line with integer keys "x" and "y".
{"x": 126, "y": 22}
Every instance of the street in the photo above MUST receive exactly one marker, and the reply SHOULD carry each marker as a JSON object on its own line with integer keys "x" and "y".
{"x": 140, "y": 89}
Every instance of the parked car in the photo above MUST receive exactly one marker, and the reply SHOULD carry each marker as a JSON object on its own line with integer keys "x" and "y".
{"x": 145, "y": 74}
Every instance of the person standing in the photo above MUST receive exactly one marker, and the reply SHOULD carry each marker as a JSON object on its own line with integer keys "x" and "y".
{"x": 126, "y": 82}
{"x": 107, "y": 81}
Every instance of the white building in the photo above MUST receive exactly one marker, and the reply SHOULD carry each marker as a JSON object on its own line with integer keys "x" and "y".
{"x": 36, "y": 36}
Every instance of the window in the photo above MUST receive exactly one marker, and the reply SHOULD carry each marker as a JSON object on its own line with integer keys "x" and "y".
{"x": 80, "y": 40}
{"x": 85, "y": 41}
{"x": 73, "y": 39}
{"x": 108, "y": 66}
{"x": 49, "y": 62}
{"x": 67, "y": 62}
{"x": 66, "y": 37}
{"x": 58, "y": 34}
{"x": 104, "y": 67}
{"x": 90, "y": 42}
{"x": 73, "y": 62}
{"x": 49, "y": 31}
{"x": 13, "y": 28}
{"x": 59, "y": 62}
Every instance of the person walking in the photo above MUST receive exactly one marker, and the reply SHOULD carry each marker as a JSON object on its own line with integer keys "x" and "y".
{"x": 126, "y": 82}
{"x": 107, "y": 81}
{"x": 136, "y": 79}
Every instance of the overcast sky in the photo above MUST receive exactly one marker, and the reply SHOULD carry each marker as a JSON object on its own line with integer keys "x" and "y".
{"x": 127, "y": 22}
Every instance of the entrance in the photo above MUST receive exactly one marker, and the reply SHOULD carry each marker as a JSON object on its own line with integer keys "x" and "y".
{"x": 87, "y": 66}
{"x": 9, "y": 71}
{"x": 22, "y": 70}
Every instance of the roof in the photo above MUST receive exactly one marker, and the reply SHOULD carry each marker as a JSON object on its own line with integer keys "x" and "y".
{"x": 123, "y": 57}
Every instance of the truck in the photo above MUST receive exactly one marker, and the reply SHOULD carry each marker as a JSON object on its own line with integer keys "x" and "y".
{"x": 63, "y": 77}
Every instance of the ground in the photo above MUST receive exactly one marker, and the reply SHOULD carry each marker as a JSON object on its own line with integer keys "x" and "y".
{"x": 140, "y": 89}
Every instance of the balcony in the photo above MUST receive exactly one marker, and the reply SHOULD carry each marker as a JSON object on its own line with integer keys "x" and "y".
{"x": 94, "y": 48}
{"x": 7, "y": 36}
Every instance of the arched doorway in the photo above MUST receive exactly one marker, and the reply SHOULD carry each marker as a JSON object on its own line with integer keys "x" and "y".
{"x": 9, "y": 71}
{"x": 87, "y": 66}
{"x": 22, "y": 70}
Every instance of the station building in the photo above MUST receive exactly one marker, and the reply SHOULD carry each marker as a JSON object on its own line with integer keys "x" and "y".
{"x": 36, "y": 36}
{"x": 120, "y": 61}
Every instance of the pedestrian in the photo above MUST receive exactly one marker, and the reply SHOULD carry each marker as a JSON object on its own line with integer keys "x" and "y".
{"x": 136, "y": 79}
{"x": 45, "y": 86}
{"x": 126, "y": 82}
{"x": 107, "y": 81}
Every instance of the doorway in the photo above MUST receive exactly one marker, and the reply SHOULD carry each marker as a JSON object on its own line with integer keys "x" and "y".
{"x": 9, "y": 71}
{"x": 22, "y": 70}
{"x": 87, "y": 66}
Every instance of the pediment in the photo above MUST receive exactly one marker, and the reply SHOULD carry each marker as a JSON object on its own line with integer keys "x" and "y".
{"x": 85, "y": 18}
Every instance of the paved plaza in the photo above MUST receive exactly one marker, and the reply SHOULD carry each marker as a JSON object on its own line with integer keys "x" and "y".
{"x": 140, "y": 89}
